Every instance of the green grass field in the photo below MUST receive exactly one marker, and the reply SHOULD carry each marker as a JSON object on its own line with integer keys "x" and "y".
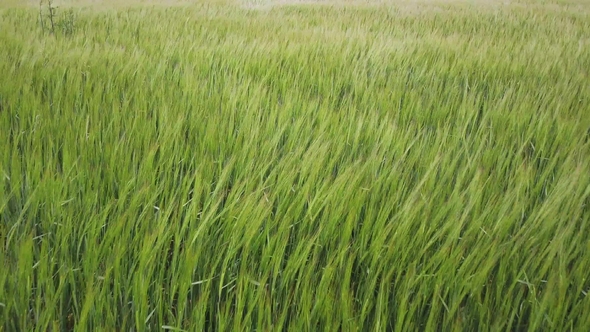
{"x": 267, "y": 166}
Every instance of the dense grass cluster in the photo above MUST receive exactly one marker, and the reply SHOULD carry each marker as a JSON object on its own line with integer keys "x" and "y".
{"x": 224, "y": 166}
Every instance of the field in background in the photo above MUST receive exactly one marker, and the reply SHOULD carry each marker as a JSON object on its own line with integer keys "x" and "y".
{"x": 411, "y": 165}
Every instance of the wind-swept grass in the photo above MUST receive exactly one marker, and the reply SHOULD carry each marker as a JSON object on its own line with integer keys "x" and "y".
{"x": 216, "y": 167}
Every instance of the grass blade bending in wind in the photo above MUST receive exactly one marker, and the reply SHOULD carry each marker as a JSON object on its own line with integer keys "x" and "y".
{"x": 269, "y": 166}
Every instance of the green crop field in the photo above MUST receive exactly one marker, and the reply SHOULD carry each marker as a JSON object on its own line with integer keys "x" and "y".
{"x": 295, "y": 165}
